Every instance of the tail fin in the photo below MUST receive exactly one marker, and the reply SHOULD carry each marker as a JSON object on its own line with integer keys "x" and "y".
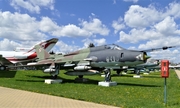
{"x": 47, "y": 45}
{"x": 41, "y": 53}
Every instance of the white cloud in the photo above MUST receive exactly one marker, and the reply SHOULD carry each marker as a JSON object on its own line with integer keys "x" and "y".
{"x": 166, "y": 41}
{"x": 118, "y": 25}
{"x": 19, "y": 27}
{"x": 167, "y": 27}
{"x": 136, "y": 35}
{"x": 96, "y": 42}
{"x": 100, "y": 41}
{"x": 173, "y": 10}
{"x": 10, "y": 45}
{"x": 64, "y": 48}
{"x": 95, "y": 26}
{"x": 140, "y": 17}
{"x": 71, "y": 30}
{"x": 6, "y": 44}
{"x": 88, "y": 28}
{"x": 148, "y": 23}
{"x": 32, "y": 5}
{"x": 24, "y": 27}
{"x": 47, "y": 25}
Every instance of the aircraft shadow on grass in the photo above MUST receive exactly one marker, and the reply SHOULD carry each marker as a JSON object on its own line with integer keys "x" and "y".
{"x": 143, "y": 76}
{"x": 89, "y": 81}
{"x": 7, "y": 74}
{"x": 41, "y": 77}
{"x": 115, "y": 75}
{"x": 24, "y": 80}
{"x": 140, "y": 85}
{"x": 31, "y": 80}
{"x": 65, "y": 80}
{"x": 152, "y": 76}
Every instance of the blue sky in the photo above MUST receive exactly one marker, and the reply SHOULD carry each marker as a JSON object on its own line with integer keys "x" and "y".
{"x": 132, "y": 24}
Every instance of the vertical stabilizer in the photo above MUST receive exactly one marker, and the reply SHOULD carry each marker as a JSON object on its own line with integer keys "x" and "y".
{"x": 47, "y": 45}
{"x": 41, "y": 53}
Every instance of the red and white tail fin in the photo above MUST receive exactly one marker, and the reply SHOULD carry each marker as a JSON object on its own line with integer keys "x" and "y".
{"x": 47, "y": 45}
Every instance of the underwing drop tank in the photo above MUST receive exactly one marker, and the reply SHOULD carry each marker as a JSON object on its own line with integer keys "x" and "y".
{"x": 49, "y": 70}
{"x": 82, "y": 68}
{"x": 77, "y": 73}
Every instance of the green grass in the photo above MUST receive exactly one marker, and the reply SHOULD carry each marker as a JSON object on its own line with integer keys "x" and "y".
{"x": 146, "y": 92}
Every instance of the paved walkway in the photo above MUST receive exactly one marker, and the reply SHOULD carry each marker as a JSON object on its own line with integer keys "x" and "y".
{"x": 13, "y": 98}
{"x": 178, "y": 73}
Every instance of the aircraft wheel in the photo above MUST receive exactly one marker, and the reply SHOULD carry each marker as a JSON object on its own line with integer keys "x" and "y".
{"x": 107, "y": 75}
{"x": 118, "y": 71}
{"x": 80, "y": 76}
{"x": 138, "y": 72}
{"x": 2, "y": 68}
{"x": 125, "y": 71}
{"x": 54, "y": 77}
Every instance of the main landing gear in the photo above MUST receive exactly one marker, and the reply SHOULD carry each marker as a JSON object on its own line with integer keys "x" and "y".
{"x": 107, "y": 75}
{"x": 55, "y": 74}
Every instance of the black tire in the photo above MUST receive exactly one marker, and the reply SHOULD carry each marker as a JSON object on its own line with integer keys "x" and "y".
{"x": 80, "y": 76}
{"x": 54, "y": 77}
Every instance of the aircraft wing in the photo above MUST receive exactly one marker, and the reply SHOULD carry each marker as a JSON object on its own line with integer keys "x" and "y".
{"x": 43, "y": 62}
{"x": 49, "y": 62}
{"x": 155, "y": 49}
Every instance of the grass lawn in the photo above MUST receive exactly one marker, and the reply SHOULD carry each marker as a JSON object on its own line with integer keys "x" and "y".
{"x": 146, "y": 92}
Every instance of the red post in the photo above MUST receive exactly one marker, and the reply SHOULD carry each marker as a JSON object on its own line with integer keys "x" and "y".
{"x": 165, "y": 74}
{"x": 164, "y": 68}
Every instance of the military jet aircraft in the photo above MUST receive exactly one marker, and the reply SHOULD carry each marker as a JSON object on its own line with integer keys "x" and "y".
{"x": 92, "y": 60}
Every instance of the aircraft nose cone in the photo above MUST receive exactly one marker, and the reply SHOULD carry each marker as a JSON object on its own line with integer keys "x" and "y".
{"x": 146, "y": 57}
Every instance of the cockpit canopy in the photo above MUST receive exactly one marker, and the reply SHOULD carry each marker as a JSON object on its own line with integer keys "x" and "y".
{"x": 113, "y": 47}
